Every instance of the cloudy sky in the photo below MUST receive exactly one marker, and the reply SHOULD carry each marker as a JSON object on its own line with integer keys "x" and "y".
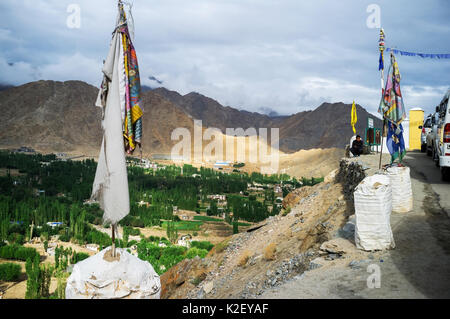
{"x": 258, "y": 55}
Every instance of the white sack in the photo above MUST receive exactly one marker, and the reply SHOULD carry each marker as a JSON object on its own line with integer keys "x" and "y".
{"x": 402, "y": 199}
{"x": 128, "y": 278}
{"x": 373, "y": 206}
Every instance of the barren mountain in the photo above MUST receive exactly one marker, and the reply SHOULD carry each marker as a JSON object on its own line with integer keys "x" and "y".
{"x": 50, "y": 115}
{"x": 61, "y": 116}
{"x": 213, "y": 114}
{"x": 326, "y": 126}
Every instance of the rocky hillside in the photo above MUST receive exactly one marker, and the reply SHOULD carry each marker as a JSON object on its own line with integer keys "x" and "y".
{"x": 266, "y": 255}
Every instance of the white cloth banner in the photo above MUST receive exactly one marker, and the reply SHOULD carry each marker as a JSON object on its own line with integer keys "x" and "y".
{"x": 110, "y": 186}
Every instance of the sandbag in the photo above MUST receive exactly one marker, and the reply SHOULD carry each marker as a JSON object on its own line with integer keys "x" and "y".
{"x": 373, "y": 206}
{"x": 126, "y": 278}
{"x": 402, "y": 199}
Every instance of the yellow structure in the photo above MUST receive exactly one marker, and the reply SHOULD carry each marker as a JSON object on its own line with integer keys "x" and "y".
{"x": 415, "y": 120}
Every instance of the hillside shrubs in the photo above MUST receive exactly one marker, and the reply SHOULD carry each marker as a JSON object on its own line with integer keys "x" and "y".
{"x": 16, "y": 252}
{"x": 269, "y": 251}
{"x": 202, "y": 245}
{"x": 244, "y": 258}
{"x": 10, "y": 272}
{"x": 163, "y": 258}
{"x": 194, "y": 251}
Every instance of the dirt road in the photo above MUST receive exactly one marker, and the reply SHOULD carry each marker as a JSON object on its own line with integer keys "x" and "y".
{"x": 419, "y": 266}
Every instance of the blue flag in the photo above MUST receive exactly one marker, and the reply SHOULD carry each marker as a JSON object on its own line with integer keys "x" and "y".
{"x": 395, "y": 142}
{"x": 381, "y": 62}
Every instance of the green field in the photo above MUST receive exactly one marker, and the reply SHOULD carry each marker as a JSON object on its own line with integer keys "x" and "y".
{"x": 243, "y": 224}
{"x": 208, "y": 219}
{"x": 185, "y": 225}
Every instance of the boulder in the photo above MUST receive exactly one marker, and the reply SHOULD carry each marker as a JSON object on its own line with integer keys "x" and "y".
{"x": 338, "y": 246}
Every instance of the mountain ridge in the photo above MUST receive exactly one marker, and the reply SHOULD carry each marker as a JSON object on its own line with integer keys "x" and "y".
{"x": 62, "y": 116}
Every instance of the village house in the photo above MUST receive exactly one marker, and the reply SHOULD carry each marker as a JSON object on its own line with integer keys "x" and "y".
{"x": 277, "y": 189}
{"x": 217, "y": 197}
{"x": 185, "y": 241}
{"x": 143, "y": 203}
{"x": 54, "y": 224}
{"x": 93, "y": 247}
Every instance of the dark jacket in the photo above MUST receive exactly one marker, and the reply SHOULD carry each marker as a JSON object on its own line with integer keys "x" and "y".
{"x": 357, "y": 145}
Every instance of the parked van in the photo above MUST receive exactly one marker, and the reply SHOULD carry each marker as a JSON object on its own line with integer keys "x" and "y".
{"x": 426, "y": 128}
{"x": 443, "y": 131}
{"x": 433, "y": 137}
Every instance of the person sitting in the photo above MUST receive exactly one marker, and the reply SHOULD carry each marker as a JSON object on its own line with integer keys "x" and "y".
{"x": 357, "y": 146}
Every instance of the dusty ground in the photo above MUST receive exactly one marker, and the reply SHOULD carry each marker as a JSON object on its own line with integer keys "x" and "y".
{"x": 417, "y": 268}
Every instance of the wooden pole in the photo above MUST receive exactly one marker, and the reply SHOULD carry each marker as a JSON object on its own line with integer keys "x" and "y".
{"x": 382, "y": 137}
{"x": 381, "y": 48}
{"x": 113, "y": 236}
{"x": 31, "y": 231}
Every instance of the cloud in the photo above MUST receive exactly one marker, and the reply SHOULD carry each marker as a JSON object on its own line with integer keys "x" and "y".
{"x": 152, "y": 78}
{"x": 286, "y": 56}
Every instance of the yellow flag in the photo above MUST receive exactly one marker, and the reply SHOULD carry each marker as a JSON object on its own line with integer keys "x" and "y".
{"x": 354, "y": 117}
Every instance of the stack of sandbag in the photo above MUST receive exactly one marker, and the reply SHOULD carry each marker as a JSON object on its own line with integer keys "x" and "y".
{"x": 122, "y": 277}
{"x": 402, "y": 199}
{"x": 373, "y": 206}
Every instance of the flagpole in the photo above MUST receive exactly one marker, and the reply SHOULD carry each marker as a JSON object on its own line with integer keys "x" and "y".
{"x": 381, "y": 48}
{"x": 113, "y": 236}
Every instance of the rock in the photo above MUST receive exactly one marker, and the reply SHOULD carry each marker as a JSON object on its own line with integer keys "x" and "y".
{"x": 330, "y": 177}
{"x": 354, "y": 264}
{"x": 338, "y": 246}
{"x": 297, "y": 229}
{"x": 348, "y": 231}
{"x": 316, "y": 263}
{"x": 201, "y": 294}
{"x": 332, "y": 257}
{"x": 207, "y": 287}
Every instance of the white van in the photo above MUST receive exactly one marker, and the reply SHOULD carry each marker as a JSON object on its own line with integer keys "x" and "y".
{"x": 443, "y": 131}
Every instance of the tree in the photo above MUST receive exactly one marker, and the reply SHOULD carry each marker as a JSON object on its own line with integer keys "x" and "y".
{"x": 57, "y": 254}
{"x": 235, "y": 227}
{"x": 172, "y": 232}
{"x": 33, "y": 272}
{"x": 45, "y": 275}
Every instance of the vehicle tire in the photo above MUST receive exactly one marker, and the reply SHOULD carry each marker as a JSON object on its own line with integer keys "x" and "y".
{"x": 423, "y": 148}
{"x": 445, "y": 173}
{"x": 435, "y": 157}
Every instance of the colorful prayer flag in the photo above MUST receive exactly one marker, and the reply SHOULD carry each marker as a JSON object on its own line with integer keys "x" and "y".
{"x": 354, "y": 117}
